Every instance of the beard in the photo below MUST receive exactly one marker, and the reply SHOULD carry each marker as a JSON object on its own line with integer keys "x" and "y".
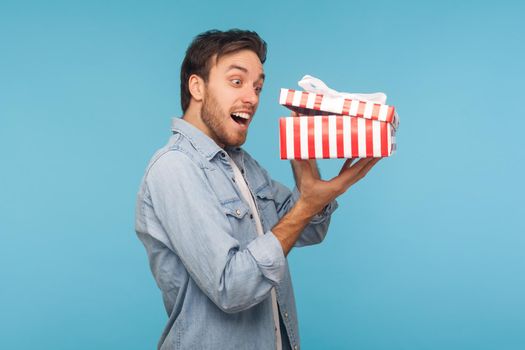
{"x": 218, "y": 122}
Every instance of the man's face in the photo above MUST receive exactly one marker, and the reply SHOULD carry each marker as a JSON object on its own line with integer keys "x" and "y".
{"x": 231, "y": 97}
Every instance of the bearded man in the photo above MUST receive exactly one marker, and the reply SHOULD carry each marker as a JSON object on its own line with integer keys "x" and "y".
{"x": 216, "y": 227}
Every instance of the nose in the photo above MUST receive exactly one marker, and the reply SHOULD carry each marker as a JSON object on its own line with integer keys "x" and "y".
{"x": 250, "y": 96}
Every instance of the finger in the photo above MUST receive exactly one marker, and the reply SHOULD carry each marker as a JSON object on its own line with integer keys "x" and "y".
{"x": 297, "y": 169}
{"x": 294, "y": 114}
{"x": 300, "y": 163}
{"x": 348, "y": 169}
{"x": 368, "y": 167}
{"x": 297, "y": 166}
{"x": 349, "y": 176}
{"x": 314, "y": 167}
{"x": 363, "y": 172}
{"x": 346, "y": 165}
{"x": 357, "y": 166}
{"x": 300, "y": 166}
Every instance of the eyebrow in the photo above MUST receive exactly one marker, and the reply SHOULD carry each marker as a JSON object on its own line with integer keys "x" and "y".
{"x": 234, "y": 66}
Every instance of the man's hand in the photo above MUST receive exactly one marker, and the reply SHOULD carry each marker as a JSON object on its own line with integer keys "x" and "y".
{"x": 315, "y": 195}
{"x": 298, "y": 170}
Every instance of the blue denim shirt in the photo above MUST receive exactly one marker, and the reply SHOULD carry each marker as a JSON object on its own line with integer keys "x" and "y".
{"x": 215, "y": 273}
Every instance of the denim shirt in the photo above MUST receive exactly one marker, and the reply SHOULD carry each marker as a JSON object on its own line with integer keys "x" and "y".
{"x": 215, "y": 273}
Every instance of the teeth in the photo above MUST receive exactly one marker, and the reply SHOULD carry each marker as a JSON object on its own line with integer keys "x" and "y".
{"x": 242, "y": 115}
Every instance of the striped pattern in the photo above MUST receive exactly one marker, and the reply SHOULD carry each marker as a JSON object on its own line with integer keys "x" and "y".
{"x": 335, "y": 136}
{"x": 309, "y": 103}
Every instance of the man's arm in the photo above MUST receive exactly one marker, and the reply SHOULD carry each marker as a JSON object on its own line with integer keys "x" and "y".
{"x": 315, "y": 231}
{"x": 315, "y": 195}
{"x": 199, "y": 232}
{"x": 285, "y": 199}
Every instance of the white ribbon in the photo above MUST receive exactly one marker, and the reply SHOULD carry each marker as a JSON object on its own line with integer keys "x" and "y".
{"x": 312, "y": 84}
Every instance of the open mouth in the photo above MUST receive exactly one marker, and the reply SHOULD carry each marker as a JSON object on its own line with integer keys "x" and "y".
{"x": 241, "y": 118}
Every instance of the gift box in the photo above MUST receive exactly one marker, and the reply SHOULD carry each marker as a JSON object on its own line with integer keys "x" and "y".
{"x": 335, "y": 136}
{"x": 335, "y": 127}
{"x": 309, "y": 103}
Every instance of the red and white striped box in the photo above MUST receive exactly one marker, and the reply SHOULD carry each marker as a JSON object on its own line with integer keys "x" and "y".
{"x": 335, "y": 136}
{"x": 309, "y": 103}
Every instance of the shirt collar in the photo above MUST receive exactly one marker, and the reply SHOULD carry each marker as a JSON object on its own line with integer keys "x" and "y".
{"x": 202, "y": 142}
{"x": 236, "y": 155}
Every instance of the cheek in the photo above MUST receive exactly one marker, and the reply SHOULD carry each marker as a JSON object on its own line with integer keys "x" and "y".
{"x": 228, "y": 97}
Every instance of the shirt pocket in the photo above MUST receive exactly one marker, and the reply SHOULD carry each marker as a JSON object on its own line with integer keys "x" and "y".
{"x": 267, "y": 208}
{"x": 264, "y": 197}
{"x": 241, "y": 222}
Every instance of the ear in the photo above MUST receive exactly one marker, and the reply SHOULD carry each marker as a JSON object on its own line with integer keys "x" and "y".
{"x": 196, "y": 87}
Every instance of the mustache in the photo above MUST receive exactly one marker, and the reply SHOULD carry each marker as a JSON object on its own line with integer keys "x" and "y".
{"x": 249, "y": 108}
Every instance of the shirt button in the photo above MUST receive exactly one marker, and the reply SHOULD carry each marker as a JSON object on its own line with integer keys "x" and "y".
{"x": 238, "y": 212}
{"x": 295, "y": 347}
{"x": 286, "y": 315}
{"x": 233, "y": 179}
{"x": 251, "y": 216}
{"x": 242, "y": 171}
{"x": 223, "y": 154}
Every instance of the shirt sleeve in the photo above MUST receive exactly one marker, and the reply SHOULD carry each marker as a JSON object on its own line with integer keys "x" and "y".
{"x": 197, "y": 230}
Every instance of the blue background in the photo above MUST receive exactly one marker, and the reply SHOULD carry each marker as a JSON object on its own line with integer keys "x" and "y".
{"x": 427, "y": 252}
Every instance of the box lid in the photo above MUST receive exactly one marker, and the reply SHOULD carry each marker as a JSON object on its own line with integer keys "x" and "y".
{"x": 310, "y": 103}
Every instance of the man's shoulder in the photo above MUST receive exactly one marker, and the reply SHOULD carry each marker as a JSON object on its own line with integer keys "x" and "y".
{"x": 176, "y": 154}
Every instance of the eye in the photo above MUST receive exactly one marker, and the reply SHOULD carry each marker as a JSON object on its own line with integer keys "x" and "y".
{"x": 236, "y": 81}
{"x": 258, "y": 89}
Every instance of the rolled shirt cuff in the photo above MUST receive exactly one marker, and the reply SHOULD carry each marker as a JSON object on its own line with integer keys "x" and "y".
{"x": 269, "y": 256}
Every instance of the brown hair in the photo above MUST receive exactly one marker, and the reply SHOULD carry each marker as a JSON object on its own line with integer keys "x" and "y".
{"x": 215, "y": 42}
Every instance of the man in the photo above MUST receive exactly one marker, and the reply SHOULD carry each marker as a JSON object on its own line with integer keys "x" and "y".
{"x": 216, "y": 227}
